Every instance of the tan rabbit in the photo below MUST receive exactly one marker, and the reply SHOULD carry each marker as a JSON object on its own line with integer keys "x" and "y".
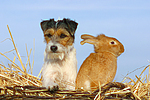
{"x": 100, "y": 67}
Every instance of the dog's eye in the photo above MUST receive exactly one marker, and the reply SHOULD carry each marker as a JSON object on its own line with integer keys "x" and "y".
{"x": 63, "y": 36}
{"x": 48, "y": 35}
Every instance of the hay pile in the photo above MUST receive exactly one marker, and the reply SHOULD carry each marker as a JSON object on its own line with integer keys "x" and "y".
{"x": 16, "y": 83}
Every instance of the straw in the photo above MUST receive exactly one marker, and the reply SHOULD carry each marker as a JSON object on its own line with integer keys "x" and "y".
{"x": 16, "y": 50}
{"x": 16, "y": 83}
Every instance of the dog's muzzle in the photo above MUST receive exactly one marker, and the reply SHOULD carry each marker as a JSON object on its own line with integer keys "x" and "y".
{"x": 55, "y": 52}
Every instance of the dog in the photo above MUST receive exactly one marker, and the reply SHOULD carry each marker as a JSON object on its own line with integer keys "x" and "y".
{"x": 60, "y": 64}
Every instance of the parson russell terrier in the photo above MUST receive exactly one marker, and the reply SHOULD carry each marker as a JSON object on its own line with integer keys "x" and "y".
{"x": 60, "y": 65}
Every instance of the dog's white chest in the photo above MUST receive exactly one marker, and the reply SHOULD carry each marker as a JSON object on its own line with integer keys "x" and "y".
{"x": 61, "y": 72}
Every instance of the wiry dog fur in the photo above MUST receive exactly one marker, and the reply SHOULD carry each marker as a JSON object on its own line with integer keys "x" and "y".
{"x": 60, "y": 64}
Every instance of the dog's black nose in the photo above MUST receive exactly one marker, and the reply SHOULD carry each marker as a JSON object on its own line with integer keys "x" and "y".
{"x": 54, "y": 48}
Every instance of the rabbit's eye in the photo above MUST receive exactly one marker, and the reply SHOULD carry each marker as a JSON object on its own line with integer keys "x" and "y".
{"x": 112, "y": 42}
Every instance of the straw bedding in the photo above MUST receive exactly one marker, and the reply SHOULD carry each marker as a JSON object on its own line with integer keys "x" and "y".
{"x": 17, "y": 83}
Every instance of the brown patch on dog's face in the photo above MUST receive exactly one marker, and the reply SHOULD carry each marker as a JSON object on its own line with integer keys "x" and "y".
{"x": 48, "y": 34}
{"x": 60, "y": 35}
{"x": 64, "y": 37}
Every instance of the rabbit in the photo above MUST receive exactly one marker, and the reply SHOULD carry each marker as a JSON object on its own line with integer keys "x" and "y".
{"x": 99, "y": 68}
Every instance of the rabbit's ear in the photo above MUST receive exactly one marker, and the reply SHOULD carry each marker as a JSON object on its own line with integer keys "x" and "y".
{"x": 86, "y": 36}
{"x": 90, "y": 41}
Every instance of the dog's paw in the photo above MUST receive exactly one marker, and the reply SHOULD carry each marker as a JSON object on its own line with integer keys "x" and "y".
{"x": 53, "y": 88}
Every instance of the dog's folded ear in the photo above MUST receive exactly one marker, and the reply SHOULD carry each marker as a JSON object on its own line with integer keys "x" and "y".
{"x": 71, "y": 25}
{"x": 68, "y": 24}
{"x": 47, "y": 24}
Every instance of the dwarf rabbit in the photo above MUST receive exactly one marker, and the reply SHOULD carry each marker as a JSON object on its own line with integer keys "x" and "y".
{"x": 100, "y": 67}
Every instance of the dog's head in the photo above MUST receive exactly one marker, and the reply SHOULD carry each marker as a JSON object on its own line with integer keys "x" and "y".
{"x": 59, "y": 36}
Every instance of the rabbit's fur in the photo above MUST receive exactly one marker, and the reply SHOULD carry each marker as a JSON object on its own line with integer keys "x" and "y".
{"x": 100, "y": 67}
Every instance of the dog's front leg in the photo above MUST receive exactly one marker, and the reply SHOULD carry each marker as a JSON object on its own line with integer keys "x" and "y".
{"x": 49, "y": 81}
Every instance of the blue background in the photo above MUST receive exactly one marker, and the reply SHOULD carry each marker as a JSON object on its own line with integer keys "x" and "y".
{"x": 127, "y": 20}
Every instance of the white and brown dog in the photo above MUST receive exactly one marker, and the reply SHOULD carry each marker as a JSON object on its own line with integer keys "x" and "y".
{"x": 60, "y": 64}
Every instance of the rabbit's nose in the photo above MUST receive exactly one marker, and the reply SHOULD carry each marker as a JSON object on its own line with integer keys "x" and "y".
{"x": 54, "y": 48}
